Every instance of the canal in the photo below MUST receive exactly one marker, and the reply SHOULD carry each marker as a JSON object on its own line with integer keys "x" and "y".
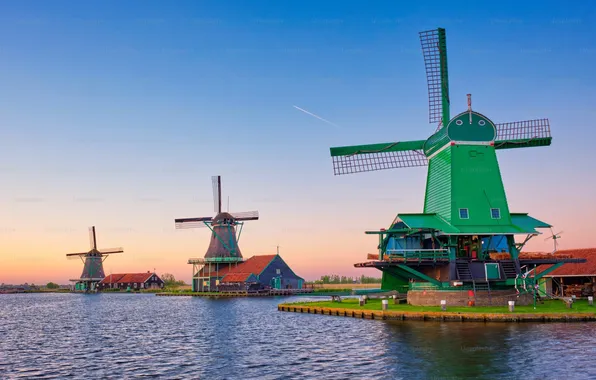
{"x": 132, "y": 335}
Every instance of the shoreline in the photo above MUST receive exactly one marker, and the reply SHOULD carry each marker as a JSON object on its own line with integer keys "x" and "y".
{"x": 402, "y": 314}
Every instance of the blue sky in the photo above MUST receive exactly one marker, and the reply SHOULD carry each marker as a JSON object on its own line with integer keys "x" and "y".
{"x": 116, "y": 113}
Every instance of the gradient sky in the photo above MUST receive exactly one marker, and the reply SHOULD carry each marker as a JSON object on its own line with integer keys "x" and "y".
{"x": 117, "y": 113}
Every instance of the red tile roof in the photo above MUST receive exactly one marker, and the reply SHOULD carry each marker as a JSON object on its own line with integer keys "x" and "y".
{"x": 254, "y": 265}
{"x": 125, "y": 278}
{"x": 236, "y": 277}
{"x": 576, "y": 269}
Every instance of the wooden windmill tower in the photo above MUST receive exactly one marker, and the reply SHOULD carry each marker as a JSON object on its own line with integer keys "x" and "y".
{"x": 92, "y": 264}
{"x": 223, "y": 250}
{"x": 466, "y": 217}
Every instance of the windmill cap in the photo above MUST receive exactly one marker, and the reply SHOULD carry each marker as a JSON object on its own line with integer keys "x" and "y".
{"x": 222, "y": 216}
{"x": 469, "y": 126}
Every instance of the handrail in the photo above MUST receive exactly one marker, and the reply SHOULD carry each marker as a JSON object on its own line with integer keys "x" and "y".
{"x": 418, "y": 250}
{"x": 215, "y": 260}
{"x": 419, "y": 254}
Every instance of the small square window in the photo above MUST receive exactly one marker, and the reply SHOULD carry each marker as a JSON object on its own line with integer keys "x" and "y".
{"x": 495, "y": 213}
{"x": 463, "y": 213}
{"x": 278, "y": 271}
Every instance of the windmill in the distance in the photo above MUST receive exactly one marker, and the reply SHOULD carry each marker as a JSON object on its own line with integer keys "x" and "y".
{"x": 93, "y": 260}
{"x": 555, "y": 237}
{"x": 223, "y": 250}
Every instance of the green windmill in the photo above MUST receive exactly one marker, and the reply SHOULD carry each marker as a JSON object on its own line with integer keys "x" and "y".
{"x": 466, "y": 235}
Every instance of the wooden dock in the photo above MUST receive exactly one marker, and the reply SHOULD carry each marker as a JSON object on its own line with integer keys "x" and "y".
{"x": 440, "y": 316}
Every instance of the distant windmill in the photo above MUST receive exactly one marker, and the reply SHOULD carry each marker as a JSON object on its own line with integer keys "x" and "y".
{"x": 224, "y": 240}
{"x": 555, "y": 237}
{"x": 223, "y": 251}
{"x": 93, "y": 262}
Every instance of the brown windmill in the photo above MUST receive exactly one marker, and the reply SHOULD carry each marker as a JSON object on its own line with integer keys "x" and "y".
{"x": 93, "y": 264}
{"x": 223, "y": 250}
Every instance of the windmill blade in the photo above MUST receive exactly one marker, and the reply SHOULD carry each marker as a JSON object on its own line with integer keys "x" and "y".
{"x": 246, "y": 215}
{"x": 192, "y": 222}
{"x": 92, "y": 237}
{"x": 72, "y": 256}
{"x": 365, "y": 158}
{"x": 216, "y": 179}
{"x": 434, "y": 51}
{"x": 108, "y": 251}
{"x": 523, "y": 134}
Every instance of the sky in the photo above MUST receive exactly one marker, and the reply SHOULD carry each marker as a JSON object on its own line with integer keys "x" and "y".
{"x": 117, "y": 113}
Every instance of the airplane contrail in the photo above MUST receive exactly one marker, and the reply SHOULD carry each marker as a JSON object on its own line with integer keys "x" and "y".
{"x": 318, "y": 117}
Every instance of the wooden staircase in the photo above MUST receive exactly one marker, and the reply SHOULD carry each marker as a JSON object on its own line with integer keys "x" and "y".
{"x": 463, "y": 271}
{"x": 508, "y": 268}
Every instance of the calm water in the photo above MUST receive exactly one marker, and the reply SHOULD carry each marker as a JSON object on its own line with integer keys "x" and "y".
{"x": 131, "y": 335}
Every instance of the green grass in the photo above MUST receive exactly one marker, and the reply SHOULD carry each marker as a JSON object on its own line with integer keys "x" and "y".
{"x": 549, "y": 306}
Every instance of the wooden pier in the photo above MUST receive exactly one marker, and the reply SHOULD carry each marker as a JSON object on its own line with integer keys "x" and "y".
{"x": 439, "y": 316}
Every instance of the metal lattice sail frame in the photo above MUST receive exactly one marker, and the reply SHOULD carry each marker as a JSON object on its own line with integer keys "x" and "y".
{"x": 378, "y": 161}
{"x": 434, "y": 50}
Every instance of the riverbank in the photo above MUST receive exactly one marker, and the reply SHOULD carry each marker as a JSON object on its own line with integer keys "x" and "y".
{"x": 267, "y": 293}
{"x": 549, "y": 311}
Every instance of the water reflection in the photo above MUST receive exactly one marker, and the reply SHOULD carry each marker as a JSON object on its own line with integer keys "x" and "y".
{"x": 124, "y": 335}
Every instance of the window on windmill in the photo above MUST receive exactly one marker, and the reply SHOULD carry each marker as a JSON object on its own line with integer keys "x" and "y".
{"x": 278, "y": 271}
{"x": 495, "y": 213}
{"x": 463, "y": 213}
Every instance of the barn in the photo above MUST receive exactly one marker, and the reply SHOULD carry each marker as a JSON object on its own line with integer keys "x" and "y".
{"x": 256, "y": 273}
{"x": 131, "y": 281}
{"x": 574, "y": 279}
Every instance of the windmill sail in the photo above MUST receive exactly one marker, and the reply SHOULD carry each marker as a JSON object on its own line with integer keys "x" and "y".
{"x": 216, "y": 179}
{"x": 109, "y": 251}
{"x": 523, "y": 134}
{"x": 434, "y": 50}
{"x": 192, "y": 222}
{"x": 92, "y": 239}
{"x": 247, "y": 215}
{"x": 365, "y": 158}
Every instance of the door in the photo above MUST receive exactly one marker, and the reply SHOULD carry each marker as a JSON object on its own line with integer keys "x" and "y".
{"x": 276, "y": 282}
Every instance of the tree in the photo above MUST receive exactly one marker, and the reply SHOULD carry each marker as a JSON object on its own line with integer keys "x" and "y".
{"x": 168, "y": 278}
{"x": 52, "y": 285}
{"x": 170, "y": 281}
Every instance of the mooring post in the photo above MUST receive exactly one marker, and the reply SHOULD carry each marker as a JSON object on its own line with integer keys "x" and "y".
{"x": 385, "y": 304}
{"x": 395, "y": 300}
{"x": 590, "y": 300}
{"x": 511, "y": 305}
{"x": 443, "y": 305}
{"x": 569, "y": 303}
{"x": 361, "y": 301}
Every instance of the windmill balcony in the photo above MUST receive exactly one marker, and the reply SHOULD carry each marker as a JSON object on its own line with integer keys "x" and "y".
{"x": 416, "y": 254}
{"x": 208, "y": 260}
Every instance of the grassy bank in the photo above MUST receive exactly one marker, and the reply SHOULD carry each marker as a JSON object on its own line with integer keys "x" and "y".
{"x": 347, "y": 286}
{"x": 549, "y": 307}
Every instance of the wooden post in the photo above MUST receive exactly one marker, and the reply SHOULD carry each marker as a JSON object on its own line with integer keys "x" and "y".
{"x": 511, "y": 305}
{"x": 385, "y": 304}
{"x": 443, "y": 305}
